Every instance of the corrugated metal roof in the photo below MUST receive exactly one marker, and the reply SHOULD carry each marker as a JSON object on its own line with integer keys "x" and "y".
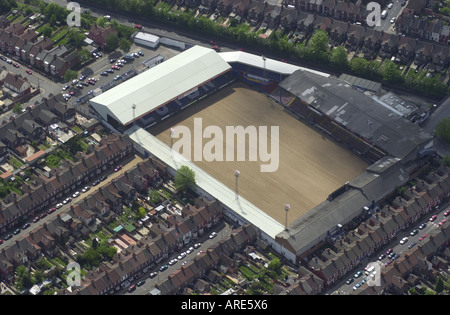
{"x": 159, "y": 85}
{"x": 263, "y": 62}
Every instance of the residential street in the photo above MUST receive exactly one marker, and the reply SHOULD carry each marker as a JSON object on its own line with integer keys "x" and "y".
{"x": 111, "y": 175}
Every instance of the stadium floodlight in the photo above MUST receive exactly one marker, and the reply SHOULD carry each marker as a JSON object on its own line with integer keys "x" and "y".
{"x": 287, "y": 207}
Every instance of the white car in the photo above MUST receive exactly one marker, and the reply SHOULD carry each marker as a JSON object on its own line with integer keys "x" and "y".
{"x": 390, "y": 5}
{"x": 76, "y": 194}
{"x": 404, "y": 240}
{"x": 59, "y": 205}
{"x": 213, "y": 234}
{"x": 393, "y": 20}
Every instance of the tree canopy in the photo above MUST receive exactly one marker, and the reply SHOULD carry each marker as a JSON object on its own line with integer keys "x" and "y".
{"x": 184, "y": 179}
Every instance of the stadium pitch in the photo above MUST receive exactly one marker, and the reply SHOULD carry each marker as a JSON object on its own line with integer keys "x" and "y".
{"x": 311, "y": 165}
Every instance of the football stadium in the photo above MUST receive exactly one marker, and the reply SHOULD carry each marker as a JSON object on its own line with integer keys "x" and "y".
{"x": 340, "y": 150}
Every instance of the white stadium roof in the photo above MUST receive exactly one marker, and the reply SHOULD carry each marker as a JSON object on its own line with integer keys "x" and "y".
{"x": 159, "y": 85}
{"x": 263, "y": 62}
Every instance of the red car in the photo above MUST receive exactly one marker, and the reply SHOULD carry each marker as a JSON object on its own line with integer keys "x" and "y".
{"x": 446, "y": 213}
{"x": 131, "y": 288}
{"x": 442, "y": 222}
{"x": 115, "y": 67}
{"x": 139, "y": 27}
{"x": 36, "y": 219}
{"x": 29, "y": 71}
{"x": 16, "y": 65}
{"x": 51, "y": 210}
{"x": 434, "y": 217}
{"x": 423, "y": 237}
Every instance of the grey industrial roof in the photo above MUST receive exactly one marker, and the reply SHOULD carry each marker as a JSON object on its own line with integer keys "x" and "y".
{"x": 361, "y": 83}
{"x": 374, "y": 184}
{"x": 363, "y": 115}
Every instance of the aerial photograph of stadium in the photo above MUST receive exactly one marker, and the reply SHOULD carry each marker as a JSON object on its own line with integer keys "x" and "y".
{"x": 224, "y": 148}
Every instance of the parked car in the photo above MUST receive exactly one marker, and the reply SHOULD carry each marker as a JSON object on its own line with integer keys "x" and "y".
{"x": 8, "y": 237}
{"x": 446, "y": 213}
{"x": 153, "y": 274}
{"x": 197, "y": 245}
{"x": 59, "y": 205}
{"x": 163, "y": 267}
{"x": 358, "y": 274}
{"x": 51, "y": 210}
{"x": 16, "y": 231}
{"x": 29, "y": 71}
{"x": 422, "y": 226}
{"x": 36, "y": 219}
{"x": 138, "y": 26}
{"x": 423, "y": 237}
{"x": 433, "y": 218}
{"x": 414, "y": 232}
{"x": 442, "y": 222}
{"x": 213, "y": 234}
{"x": 131, "y": 288}
{"x": 26, "y": 226}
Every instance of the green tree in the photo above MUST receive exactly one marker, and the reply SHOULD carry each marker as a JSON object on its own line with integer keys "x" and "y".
{"x": 84, "y": 54}
{"x": 446, "y": 160}
{"x": 76, "y": 37}
{"x": 46, "y": 31}
{"x": 70, "y": 75}
{"x": 359, "y": 66}
{"x": 391, "y": 72}
{"x": 154, "y": 196}
{"x": 112, "y": 42}
{"x": 439, "y": 287}
{"x": 17, "y": 109}
{"x": 443, "y": 129}
{"x": 317, "y": 47}
{"x": 274, "y": 264}
{"x": 124, "y": 45}
{"x": 339, "y": 57}
{"x": 184, "y": 179}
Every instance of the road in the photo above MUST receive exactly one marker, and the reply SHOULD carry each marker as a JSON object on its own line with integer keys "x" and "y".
{"x": 395, "y": 11}
{"x": 223, "y": 231}
{"x": 343, "y": 288}
{"x": 49, "y": 218}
